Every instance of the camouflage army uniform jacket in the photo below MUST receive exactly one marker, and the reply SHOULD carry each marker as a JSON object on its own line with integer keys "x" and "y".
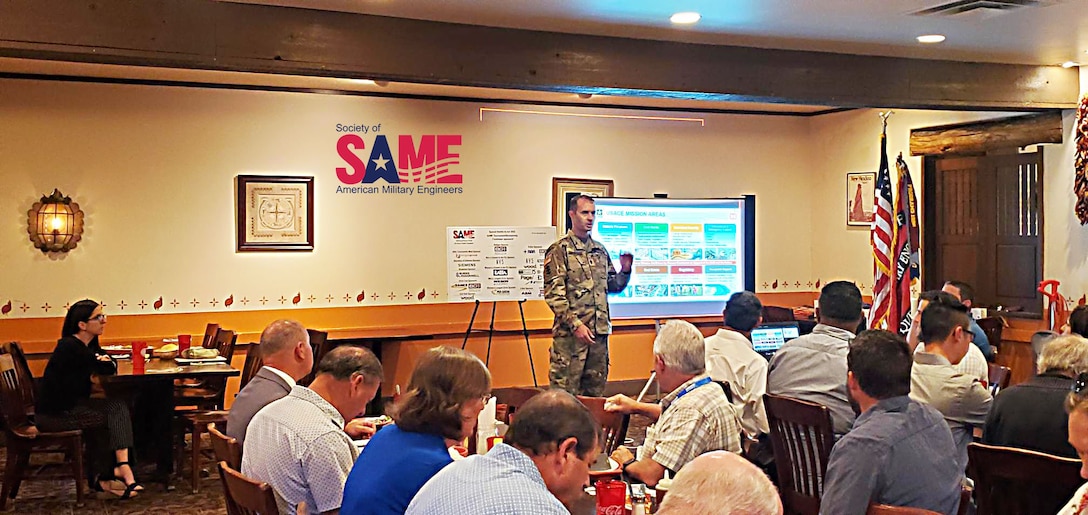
{"x": 578, "y": 276}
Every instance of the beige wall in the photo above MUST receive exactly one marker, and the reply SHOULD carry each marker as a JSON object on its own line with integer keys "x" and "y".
{"x": 153, "y": 167}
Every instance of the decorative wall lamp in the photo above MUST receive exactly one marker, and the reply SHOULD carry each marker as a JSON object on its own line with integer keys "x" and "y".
{"x": 55, "y": 223}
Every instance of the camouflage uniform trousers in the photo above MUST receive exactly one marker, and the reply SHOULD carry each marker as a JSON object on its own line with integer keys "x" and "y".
{"x": 579, "y": 368}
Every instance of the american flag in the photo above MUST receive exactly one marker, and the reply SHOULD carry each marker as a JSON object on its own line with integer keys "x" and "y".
{"x": 906, "y": 247}
{"x": 880, "y": 236}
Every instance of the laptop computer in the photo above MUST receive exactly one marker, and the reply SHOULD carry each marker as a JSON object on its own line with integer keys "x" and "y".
{"x": 768, "y": 338}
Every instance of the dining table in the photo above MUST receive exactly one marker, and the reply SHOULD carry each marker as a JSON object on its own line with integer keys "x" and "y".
{"x": 150, "y": 391}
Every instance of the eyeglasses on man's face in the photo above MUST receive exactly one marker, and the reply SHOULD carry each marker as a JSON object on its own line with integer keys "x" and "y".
{"x": 101, "y": 317}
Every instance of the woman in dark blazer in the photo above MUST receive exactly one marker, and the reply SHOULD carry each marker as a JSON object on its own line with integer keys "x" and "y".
{"x": 65, "y": 401}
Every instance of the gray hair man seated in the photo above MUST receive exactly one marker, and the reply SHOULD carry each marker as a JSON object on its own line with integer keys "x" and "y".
{"x": 298, "y": 445}
{"x": 721, "y": 483}
{"x": 541, "y": 465}
{"x": 1032, "y": 415}
{"x": 694, "y": 418}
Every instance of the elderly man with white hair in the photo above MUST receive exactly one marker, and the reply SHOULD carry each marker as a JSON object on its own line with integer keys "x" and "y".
{"x": 1031, "y": 415}
{"x": 721, "y": 483}
{"x": 694, "y": 418}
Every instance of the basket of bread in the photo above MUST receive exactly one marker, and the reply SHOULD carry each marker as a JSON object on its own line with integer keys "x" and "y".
{"x": 167, "y": 351}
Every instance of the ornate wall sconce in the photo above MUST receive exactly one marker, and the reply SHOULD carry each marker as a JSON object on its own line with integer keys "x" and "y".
{"x": 55, "y": 223}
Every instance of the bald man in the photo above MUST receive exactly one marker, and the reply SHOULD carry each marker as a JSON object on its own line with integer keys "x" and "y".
{"x": 287, "y": 357}
{"x": 721, "y": 483}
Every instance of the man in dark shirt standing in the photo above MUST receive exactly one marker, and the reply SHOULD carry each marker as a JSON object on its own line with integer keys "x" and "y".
{"x": 899, "y": 452}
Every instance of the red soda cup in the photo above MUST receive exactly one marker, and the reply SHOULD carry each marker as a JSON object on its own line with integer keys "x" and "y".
{"x": 611, "y": 497}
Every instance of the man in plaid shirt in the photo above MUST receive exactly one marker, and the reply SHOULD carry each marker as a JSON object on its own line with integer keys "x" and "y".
{"x": 694, "y": 418}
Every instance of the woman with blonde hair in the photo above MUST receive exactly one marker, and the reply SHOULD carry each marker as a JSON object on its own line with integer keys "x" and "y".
{"x": 446, "y": 394}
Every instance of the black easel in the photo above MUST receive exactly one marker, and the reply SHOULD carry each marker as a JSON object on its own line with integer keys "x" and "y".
{"x": 491, "y": 333}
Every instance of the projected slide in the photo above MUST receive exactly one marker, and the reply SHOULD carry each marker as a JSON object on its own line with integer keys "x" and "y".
{"x": 689, "y": 254}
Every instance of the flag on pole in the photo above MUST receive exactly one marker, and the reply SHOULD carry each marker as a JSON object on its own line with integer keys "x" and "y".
{"x": 906, "y": 247}
{"x": 880, "y": 236}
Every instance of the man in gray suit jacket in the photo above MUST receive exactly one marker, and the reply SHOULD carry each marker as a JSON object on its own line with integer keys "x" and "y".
{"x": 287, "y": 357}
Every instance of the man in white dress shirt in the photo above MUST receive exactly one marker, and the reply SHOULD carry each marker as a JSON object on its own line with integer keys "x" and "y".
{"x": 731, "y": 359}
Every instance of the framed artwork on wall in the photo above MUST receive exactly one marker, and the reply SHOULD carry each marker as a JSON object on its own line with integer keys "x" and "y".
{"x": 275, "y": 213}
{"x": 860, "y": 189}
{"x": 564, "y": 189}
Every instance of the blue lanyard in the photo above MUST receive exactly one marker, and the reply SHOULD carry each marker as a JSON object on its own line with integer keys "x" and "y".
{"x": 691, "y": 387}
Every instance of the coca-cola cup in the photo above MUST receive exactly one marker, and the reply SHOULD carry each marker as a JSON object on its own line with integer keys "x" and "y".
{"x": 184, "y": 341}
{"x": 611, "y": 495}
{"x": 139, "y": 363}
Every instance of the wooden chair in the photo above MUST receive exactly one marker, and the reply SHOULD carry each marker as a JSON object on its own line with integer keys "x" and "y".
{"x": 244, "y": 495}
{"x": 1009, "y": 481}
{"x": 226, "y": 448}
{"x": 23, "y": 438}
{"x": 614, "y": 425}
{"x": 884, "y": 509}
{"x": 22, "y": 369}
{"x": 999, "y": 377}
{"x": 319, "y": 341}
{"x": 508, "y": 400}
{"x": 252, "y": 365}
{"x": 209, "y": 342}
{"x": 993, "y": 327}
{"x": 209, "y": 394}
{"x": 777, "y": 314}
{"x": 801, "y": 437}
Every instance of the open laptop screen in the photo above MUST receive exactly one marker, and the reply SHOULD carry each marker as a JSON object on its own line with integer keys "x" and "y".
{"x": 768, "y": 338}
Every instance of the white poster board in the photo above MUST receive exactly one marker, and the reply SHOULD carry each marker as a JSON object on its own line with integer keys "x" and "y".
{"x": 496, "y": 263}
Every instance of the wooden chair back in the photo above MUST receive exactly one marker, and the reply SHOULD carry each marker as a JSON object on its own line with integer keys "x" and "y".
{"x": 252, "y": 365}
{"x": 508, "y": 400}
{"x": 244, "y": 495}
{"x": 12, "y": 400}
{"x": 613, "y": 425}
{"x": 209, "y": 336}
{"x": 999, "y": 377}
{"x": 993, "y": 327}
{"x": 22, "y": 370}
{"x": 1011, "y": 480}
{"x": 224, "y": 343}
{"x": 319, "y": 342}
{"x": 777, "y": 314}
{"x": 226, "y": 448}
{"x": 884, "y": 509}
{"x": 801, "y": 437}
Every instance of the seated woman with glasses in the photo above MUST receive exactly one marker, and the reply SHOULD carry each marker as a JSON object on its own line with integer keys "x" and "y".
{"x": 446, "y": 394}
{"x": 65, "y": 401}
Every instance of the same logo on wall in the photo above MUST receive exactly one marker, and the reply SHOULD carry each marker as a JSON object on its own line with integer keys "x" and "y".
{"x": 403, "y": 164}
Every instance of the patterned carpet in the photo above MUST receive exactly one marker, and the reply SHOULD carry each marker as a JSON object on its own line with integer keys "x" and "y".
{"x": 58, "y": 497}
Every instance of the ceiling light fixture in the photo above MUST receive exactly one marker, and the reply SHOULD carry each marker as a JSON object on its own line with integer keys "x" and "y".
{"x": 1068, "y": 64}
{"x": 365, "y": 82}
{"x": 931, "y": 38}
{"x": 685, "y": 18}
{"x": 585, "y": 96}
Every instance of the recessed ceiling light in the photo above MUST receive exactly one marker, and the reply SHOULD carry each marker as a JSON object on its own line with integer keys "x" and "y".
{"x": 585, "y": 96}
{"x": 685, "y": 17}
{"x": 1068, "y": 64}
{"x": 930, "y": 38}
{"x": 365, "y": 82}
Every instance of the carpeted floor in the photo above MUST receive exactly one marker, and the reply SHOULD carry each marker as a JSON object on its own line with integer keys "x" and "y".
{"x": 57, "y": 496}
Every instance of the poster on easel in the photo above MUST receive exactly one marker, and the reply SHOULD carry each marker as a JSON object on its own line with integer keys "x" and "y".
{"x": 496, "y": 263}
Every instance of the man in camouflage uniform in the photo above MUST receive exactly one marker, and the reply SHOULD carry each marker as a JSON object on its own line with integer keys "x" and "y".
{"x": 578, "y": 276}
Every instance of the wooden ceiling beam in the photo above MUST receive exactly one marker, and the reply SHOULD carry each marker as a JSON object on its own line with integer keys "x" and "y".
{"x": 212, "y": 35}
{"x": 980, "y": 137}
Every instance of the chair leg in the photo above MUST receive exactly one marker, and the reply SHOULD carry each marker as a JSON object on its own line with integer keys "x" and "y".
{"x": 9, "y": 477}
{"x": 76, "y": 450}
{"x": 198, "y": 429}
{"x": 23, "y": 462}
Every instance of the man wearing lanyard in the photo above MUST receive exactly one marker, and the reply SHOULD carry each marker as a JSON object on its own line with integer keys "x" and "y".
{"x": 578, "y": 276}
{"x": 694, "y": 418}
